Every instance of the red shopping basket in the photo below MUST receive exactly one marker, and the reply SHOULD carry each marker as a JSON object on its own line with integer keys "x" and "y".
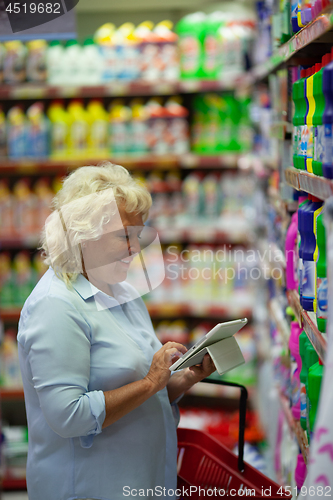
{"x": 208, "y": 469}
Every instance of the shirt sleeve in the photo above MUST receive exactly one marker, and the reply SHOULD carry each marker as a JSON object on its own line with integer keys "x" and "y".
{"x": 56, "y": 340}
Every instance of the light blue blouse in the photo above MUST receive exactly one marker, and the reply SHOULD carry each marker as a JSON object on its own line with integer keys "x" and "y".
{"x": 70, "y": 352}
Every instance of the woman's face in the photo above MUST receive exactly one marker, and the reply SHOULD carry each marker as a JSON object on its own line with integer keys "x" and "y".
{"x": 107, "y": 260}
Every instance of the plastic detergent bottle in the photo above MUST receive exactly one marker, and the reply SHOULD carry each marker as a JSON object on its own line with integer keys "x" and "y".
{"x": 54, "y": 62}
{"x": 300, "y": 471}
{"x": 303, "y": 344}
{"x": 139, "y": 126}
{"x": 119, "y": 117}
{"x": 296, "y": 97}
{"x": 291, "y": 254}
{"x": 78, "y": 130}
{"x": 99, "y": 128}
{"x": 311, "y": 357}
{"x": 322, "y": 286}
{"x": 37, "y": 131}
{"x": 211, "y": 54}
{"x": 191, "y": 30}
{"x": 59, "y": 134}
{"x": 301, "y": 110}
{"x": 303, "y": 207}
{"x": 328, "y": 120}
{"x": 295, "y": 4}
{"x": 314, "y": 384}
{"x": 309, "y": 119}
{"x": 91, "y": 69}
{"x": 295, "y": 369}
{"x": 72, "y": 63}
{"x": 318, "y": 127}
{"x": 104, "y": 40}
{"x": 309, "y": 254}
{"x": 36, "y": 61}
{"x": 16, "y": 133}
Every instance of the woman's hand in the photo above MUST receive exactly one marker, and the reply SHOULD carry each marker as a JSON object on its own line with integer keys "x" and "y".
{"x": 183, "y": 380}
{"x": 159, "y": 372}
{"x": 197, "y": 373}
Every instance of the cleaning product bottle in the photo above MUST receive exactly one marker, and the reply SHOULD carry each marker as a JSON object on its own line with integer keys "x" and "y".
{"x": 78, "y": 130}
{"x": 120, "y": 116}
{"x": 311, "y": 358}
{"x": 104, "y": 40}
{"x": 296, "y": 363}
{"x": 38, "y": 129}
{"x": 328, "y": 120}
{"x": 309, "y": 119}
{"x": 315, "y": 376}
{"x": 304, "y": 342}
{"x": 127, "y": 52}
{"x": 291, "y": 252}
{"x": 303, "y": 207}
{"x": 55, "y": 63}
{"x": 300, "y": 471}
{"x": 309, "y": 255}
{"x": 59, "y": 130}
{"x": 322, "y": 286}
{"x": 91, "y": 70}
{"x": 190, "y": 30}
{"x": 23, "y": 277}
{"x": 177, "y": 126}
{"x": 168, "y": 51}
{"x": 72, "y": 63}
{"x": 6, "y": 281}
{"x": 304, "y": 107}
{"x": 139, "y": 127}
{"x": 3, "y": 134}
{"x": 36, "y": 61}
{"x": 14, "y": 66}
{"x": 99, "y": 127}
{"x": 298, "y": 119}
{"x": 6, "y": 209}
{"x": 318, "y": 127}
{"x": 44, "y": 196}
{"x": 24, "y": 208}
{"x": 149, "y": 55}
{"x": 16, "y": 133}
{"x": 10, "y": 367}
{"x": 211, "y": 54}
{"x": 295, "y": 4}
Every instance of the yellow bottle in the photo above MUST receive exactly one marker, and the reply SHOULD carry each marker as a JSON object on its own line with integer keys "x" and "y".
{"x": 98, "y": 133}
{"x": 78, "y": 130}
{"x": 60, "y": 122}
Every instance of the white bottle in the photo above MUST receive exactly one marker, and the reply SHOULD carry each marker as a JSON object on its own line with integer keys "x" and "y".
{"x": 72, "y": 63}
{"x": 91, "y": 67}
{"x": 54, "y": 63}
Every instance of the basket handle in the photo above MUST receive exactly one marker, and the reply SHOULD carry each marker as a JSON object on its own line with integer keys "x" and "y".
{"x": 242, "y": 416}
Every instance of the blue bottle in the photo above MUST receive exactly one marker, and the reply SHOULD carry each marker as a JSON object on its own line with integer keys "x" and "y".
{"x": 309, "y": 249}
{"x": 328, "y": 121}
{"x": 302, "y": 208}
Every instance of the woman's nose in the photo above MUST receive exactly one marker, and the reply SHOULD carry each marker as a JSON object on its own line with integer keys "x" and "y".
{"x": 133, "y": 245}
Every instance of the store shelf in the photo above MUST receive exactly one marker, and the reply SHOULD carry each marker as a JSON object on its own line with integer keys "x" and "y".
{"x": 132, "y": 162}
{"x": 297, "y": 46}
{"x": 307, "y": 320}
{"x": 280, "y": 321}
{"x": 114, "y": 89}
{"x": 295, "y": 427}
{"x": 304, "y": 181}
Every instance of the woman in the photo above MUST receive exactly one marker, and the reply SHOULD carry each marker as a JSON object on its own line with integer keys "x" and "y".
{"x": 99, "y": 394}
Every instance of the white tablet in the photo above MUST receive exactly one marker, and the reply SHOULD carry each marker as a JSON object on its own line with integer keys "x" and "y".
{"x": 219, "y": 332}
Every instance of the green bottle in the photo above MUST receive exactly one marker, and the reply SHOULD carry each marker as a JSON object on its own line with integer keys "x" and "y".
{"x": 311, "y": 357}
{"x": 303, "y": 343}
{"x": 298, "y": 94}
{"x": 191, "y": 32}
{"x": 314, "y": 383}
{"x": 211, "y": 61}
{"x": 318, "y": 127}
{"x": 322, "y": 285}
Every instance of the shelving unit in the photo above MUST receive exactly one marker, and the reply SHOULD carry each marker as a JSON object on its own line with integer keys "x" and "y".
{"x": 304, "y": 181}
{"x": 295, "y": 427}
{"x": 308, "y": 43}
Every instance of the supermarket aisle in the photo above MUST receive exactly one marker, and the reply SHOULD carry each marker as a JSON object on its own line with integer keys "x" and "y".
{"x": 15, "y": 495}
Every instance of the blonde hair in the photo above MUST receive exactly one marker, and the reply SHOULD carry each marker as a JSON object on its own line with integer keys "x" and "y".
{"x": 82, "y": 207}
